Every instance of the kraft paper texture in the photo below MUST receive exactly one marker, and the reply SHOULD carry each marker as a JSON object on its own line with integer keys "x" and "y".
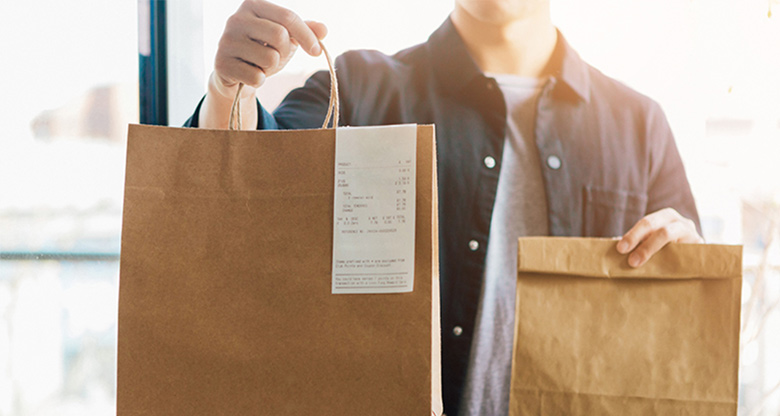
{"x": 225, "y": 304}
{"x": 595, "y": 337}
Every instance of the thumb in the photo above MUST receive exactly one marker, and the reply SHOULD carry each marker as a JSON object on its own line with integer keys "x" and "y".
{"x": 319, "y": 29}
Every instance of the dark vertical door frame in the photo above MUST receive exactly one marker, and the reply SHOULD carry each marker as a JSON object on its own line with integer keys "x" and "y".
{"x": 152, "y": 62}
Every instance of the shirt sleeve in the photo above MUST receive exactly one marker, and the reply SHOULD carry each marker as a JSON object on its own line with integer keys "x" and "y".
{"x": 668, "y": 185}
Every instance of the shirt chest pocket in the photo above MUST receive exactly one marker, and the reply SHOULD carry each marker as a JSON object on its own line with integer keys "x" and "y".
{"x": 610, "y": 212}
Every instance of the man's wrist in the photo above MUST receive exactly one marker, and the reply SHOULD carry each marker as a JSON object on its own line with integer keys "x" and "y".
{"x": 218, "y": 103}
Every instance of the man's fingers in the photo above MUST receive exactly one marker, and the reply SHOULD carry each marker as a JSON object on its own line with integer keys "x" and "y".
{"x": 267, "y": 33}
{"x": 245, "y": 64}
{"x": 319, "y": 29}
{"x": 259, "y": 40}
{"x": 639, "y": 232}
{"x": 234, "y": 70}
{"x": 692, "y": 235}
{"x": 297, "y": 28}
{"x": 262, "y": 57}
{"x": 654, "y": 242}
{"x": 653, "y": 232}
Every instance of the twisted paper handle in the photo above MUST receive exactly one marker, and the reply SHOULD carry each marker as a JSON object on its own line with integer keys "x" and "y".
{"x": 333, "y": 104}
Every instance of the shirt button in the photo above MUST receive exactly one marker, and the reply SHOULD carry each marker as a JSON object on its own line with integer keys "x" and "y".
{"x": 490, "y": 163}
{"x": 473, "y": 245}
{"x": 554, "y": 162}
{"x": 457, "y": 331}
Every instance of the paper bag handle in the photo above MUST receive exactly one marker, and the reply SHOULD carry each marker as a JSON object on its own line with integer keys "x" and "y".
{"x": 333, "y": 104}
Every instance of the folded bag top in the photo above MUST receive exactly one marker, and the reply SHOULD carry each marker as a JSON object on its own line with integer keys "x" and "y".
{"x": 557, "y": 255}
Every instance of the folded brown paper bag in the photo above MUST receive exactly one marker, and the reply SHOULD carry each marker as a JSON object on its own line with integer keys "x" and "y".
{"x": 594, "y": 336}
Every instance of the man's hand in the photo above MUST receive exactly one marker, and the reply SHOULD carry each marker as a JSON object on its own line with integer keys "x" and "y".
{"x": 258, "y": 41}
{"x": 653, "y": 232}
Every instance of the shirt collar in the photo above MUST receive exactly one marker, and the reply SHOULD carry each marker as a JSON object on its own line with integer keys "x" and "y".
{"x": 456, "y": 69}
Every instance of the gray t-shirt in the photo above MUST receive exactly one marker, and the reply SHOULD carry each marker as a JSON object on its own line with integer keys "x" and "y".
{"x": 520, "y": 210}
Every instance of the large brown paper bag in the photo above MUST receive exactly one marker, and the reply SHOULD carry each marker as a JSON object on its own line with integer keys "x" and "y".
{"x": 225, "y": 304}
{"x": 594, "y": 336}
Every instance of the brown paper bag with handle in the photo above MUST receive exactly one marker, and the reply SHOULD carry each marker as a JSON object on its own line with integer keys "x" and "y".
{"x": 595, "y": 337}
{"x": 225, "y": 304}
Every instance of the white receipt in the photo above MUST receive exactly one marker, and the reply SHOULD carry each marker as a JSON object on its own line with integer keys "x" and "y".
{"x": 373, "y": 209}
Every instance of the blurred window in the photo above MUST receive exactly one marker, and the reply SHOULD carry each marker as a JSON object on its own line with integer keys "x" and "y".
{"x": 69, "y": 89}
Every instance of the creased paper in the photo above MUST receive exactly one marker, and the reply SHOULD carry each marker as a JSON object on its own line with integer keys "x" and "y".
{"x": 594, "y": 336}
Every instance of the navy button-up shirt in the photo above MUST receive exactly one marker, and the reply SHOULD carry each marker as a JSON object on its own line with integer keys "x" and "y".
{"x": 607, "y": 154}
